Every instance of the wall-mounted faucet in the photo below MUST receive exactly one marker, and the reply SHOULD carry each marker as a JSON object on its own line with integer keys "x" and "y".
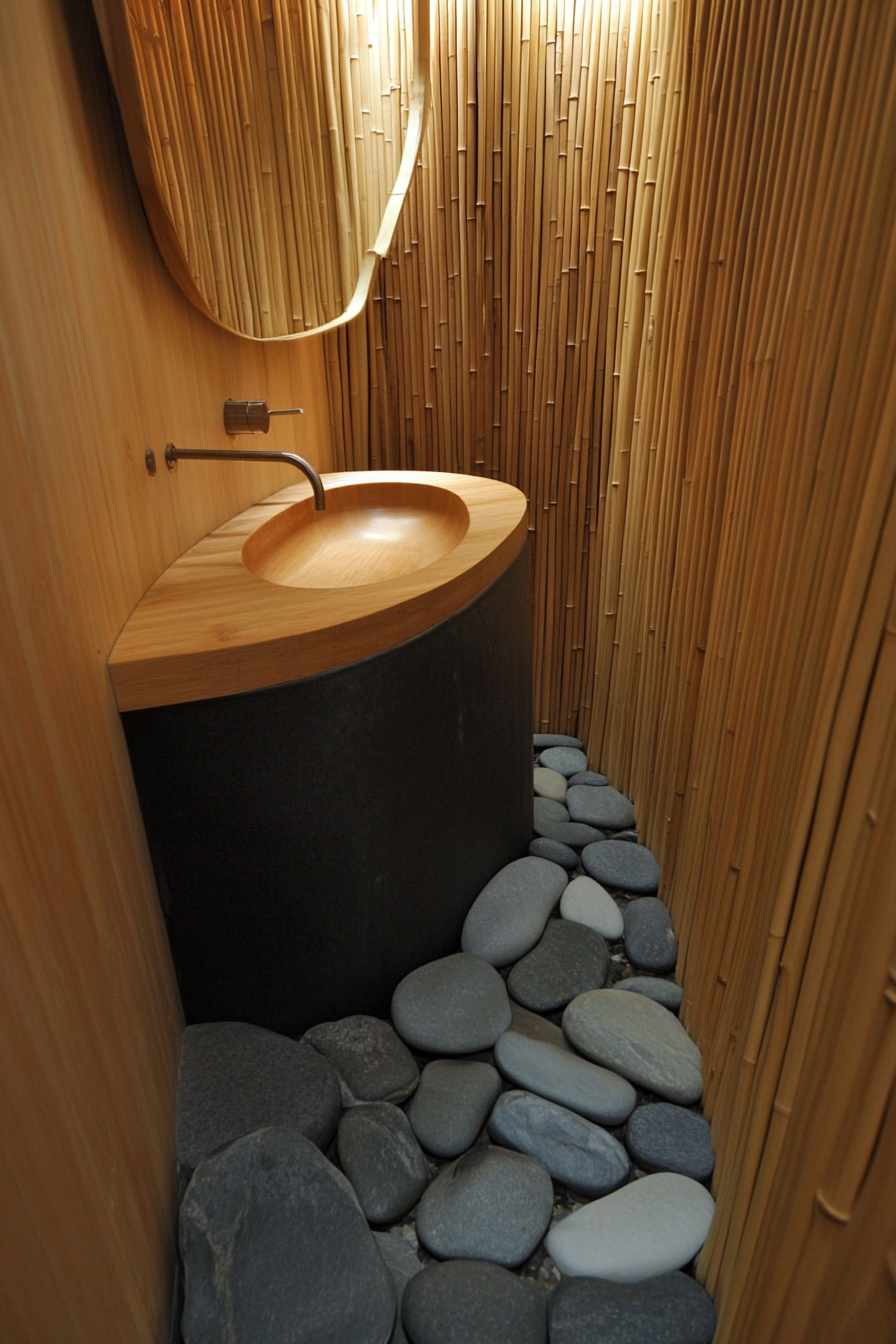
{"x": 173, "y": 455}
{"x": 251, "y": 417}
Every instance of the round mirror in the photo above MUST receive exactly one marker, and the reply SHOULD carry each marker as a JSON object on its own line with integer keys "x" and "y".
{"x": 274, "y": 143}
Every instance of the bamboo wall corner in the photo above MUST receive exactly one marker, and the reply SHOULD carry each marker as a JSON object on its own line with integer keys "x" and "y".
{"x": 648, "y": 274}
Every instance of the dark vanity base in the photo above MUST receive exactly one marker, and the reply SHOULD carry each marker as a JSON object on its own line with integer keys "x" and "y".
{"x": 316, "y": 841}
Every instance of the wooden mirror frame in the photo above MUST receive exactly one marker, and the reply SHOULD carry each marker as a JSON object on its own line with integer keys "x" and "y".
{"x": 116, "y": 25}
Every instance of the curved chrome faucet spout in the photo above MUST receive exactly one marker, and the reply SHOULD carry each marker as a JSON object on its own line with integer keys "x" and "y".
{"x": 173, "y": 455}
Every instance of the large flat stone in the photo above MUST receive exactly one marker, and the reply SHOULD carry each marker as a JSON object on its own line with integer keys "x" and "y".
{"x": 669, "y": 1309}
{"x": 262, "y": 1220}
{"x": 552, "y": 1070}
{"x": 235, "y": 1077}
{"x": 576, "y": 1152}
{"x": 452, "y": 1103}
{"x": 490, "y": 1204}
{"x": 586, "y": 902}
{"x": 650, "y": 1227}
{"x": 509, "y": 914}
{"x": 638, "y": 1039}
{"x": 470, "y": 1302}
{"x": 567, "y": 960}
{"x": 369, "y": 1057}
{"x": 622, "y": 866}
{"x": 606, "y": 808}
{"x": 650, "y": 942}
{"x": 453, "y": 1006}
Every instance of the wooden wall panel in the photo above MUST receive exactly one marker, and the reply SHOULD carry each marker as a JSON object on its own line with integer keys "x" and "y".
{"x": 100, "y": 354}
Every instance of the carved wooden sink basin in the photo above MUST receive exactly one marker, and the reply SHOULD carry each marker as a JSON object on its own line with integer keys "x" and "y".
{"x": 281, "y": 592}
{"x": 371, "y": 531}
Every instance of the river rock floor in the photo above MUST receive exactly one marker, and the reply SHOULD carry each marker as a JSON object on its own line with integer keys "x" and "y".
{"x": 547, "y": 1183}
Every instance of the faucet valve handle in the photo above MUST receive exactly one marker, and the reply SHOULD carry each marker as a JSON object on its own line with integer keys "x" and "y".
{"x": 251, "y": 417}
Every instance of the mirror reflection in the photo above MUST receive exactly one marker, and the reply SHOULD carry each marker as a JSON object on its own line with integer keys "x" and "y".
{"x": 274, "y": 141}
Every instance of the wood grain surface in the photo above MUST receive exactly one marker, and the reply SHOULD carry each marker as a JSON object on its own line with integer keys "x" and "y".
{"x": 372, "y": 529}
{"x": 100, "y": 355}
{"x": 210, "y": 626}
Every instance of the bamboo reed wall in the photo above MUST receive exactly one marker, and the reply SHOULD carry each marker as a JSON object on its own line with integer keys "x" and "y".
{"x": 648, "y": 274}
{"x": 274, "y": 133}
{"x": 497, "y": 338}
{"x": 100, "y": 354}
{"x": 744, "y": 684}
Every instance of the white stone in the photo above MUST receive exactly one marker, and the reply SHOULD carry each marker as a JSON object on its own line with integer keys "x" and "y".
{"x": 650, "y": 1227}
{"x": 586, "y": 902}
{"x": 550, "y": 784}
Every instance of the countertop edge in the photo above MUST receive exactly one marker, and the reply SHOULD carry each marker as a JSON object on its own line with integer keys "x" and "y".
{"x": 177, "y": 676}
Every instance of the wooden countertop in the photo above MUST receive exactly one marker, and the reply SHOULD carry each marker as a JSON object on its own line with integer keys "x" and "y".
{"x": 209, "y": 626}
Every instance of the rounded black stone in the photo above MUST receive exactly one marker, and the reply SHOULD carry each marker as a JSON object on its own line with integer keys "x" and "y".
{"x": 235, "y": 1077}
{"x": 565, "y": 760}
{"x": 491, "y": 1204}
{"x": 542, "y": 740}
{"x": 548, "y": 810}
{"x": 471, "y": 1302}
{"x": 663, "y": 1137}
{"x": 568, "y": 960}
{"x": 650, "y": 942}
{"x": 670, "y": 1309}
{"x": 654, "y": 987}
{"x": 588, "y": 777}
{"x": 617, "y": 864}
{"x": 368, "y": 1054}
{"x": 543, "y": 848}
{"x": 381, "y": 1157}
{"x": 453, "y": 1006}
{"x": 606, "y": 808}
{"x": 452, "y": 1104}
{"x": 574, "y": 834}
